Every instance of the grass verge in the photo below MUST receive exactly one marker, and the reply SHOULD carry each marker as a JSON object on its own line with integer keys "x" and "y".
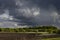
{"x": 52, "y": 38}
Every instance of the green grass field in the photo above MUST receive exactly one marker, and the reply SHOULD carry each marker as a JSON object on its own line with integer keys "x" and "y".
{"x": 52, "y": 39}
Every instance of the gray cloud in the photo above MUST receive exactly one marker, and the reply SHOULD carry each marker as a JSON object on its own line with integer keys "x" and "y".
{"x": 32, "y": 12}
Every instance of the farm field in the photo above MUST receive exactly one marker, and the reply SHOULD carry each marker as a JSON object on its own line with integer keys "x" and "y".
{"x": 27, "y": 36}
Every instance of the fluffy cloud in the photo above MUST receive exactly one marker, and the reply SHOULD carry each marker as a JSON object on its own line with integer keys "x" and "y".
{"x": 31, "y": 12}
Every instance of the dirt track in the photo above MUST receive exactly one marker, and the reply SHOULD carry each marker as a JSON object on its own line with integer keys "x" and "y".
{"x": 24, "y": 36}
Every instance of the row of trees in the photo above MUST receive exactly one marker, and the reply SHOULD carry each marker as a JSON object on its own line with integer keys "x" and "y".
{"x": 49, "y": 29}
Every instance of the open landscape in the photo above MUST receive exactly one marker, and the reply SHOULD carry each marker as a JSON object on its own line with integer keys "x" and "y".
{"x": 31, "y": 33}
{"x": 29, "y": 19}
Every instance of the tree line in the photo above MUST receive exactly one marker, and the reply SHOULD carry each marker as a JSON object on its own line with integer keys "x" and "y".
{"x": 49, "y": 29}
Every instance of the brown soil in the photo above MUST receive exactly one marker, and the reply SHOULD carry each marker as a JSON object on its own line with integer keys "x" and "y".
{"x": 24, "y": 36}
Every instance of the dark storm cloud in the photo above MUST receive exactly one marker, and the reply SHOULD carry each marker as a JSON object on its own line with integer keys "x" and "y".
{"x": 7, "y": 3}
{"x": 41, "y": 12}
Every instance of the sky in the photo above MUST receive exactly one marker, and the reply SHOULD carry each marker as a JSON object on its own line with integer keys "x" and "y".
{"x": 31, "y": 12}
